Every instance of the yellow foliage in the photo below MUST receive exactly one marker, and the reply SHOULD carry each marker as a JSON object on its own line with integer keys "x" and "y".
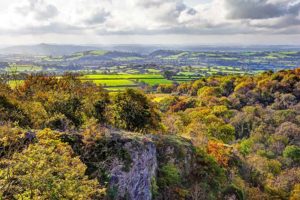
{"x": 46, "y": 170}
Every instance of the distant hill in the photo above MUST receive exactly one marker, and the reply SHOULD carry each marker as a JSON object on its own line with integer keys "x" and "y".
{"x": 165, "y": 53}
{"x": 46, "y": 49}
{"x": 142, "y": 50}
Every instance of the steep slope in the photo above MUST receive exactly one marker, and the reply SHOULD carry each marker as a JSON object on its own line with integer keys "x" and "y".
{"x": 135, "y": 166}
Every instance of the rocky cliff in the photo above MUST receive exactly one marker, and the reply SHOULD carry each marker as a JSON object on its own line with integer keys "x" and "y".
{"x": 143, "y": 167}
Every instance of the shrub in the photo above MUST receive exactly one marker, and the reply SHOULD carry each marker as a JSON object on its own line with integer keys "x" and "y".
{"x": 169, "y": 176}
{"x": 292, "y": 152}
{"x": 233, "y": 190}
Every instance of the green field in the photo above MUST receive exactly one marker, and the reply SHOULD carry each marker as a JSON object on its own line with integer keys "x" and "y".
{"x": 122, "y": 76}
{"x": 155, "y": 81}
{"x": 23, "y": 68}
{"x": 15, "y": 83}
{"x": 98, "y": 52}
{"x": 118, "y": 82}
{"x": 114, "y": 83}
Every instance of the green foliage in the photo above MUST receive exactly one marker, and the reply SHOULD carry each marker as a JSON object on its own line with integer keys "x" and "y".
{"x": 12, "y": 139}
{"x": 133, "y": 111}
{"x": 233, "y": 190}
{"x": 112, "y": 192}
{"x": 100, "y": 108}
{"x": 58, "y": 122}
{"x": 48, "y": 170}
{"x": 154, "y": 187}
{"x": 11, "y": 112}
{"x": 246, "y": 146}
{"x": 225, "y": 133}
{"x": 71, "y": 109}
{"x": 292, "y": 152}
{"x": 169, "y": 176}
{"x": 249, "y": 125}
{"x": 208, "y": 171}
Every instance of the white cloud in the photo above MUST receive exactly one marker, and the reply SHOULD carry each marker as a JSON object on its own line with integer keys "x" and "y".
{"x": 150, "y": 17}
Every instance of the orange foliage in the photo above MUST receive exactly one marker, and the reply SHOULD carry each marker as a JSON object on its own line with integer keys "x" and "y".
{"x": 219, "y": 151}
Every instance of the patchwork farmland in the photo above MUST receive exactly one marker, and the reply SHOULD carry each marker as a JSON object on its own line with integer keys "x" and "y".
{"x": 118, "y": 82}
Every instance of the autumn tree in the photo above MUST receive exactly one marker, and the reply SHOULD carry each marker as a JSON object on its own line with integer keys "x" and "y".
{"x": 47, "y": 169}
{"x": 133, "y": 111}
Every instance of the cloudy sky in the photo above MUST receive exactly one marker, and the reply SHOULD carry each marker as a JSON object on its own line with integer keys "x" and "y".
{"x": 150, "y": 21}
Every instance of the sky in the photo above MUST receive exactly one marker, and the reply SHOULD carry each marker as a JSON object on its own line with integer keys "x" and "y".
{"x": 190, "y": 22}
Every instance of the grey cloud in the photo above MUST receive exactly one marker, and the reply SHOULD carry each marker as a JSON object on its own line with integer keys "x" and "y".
{"x": 192, "y": 11}
{"x": 250, "y": 17}
{"x": 259, "y": 9}
{"x": 98, "y": 17}
{"x": 280, "y": 23}
{"x": 177, "y": 7}
{"x": 39, "y": 9}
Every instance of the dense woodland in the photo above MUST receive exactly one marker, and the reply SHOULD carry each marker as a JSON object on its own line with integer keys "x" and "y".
{"x": 244, "y": 130}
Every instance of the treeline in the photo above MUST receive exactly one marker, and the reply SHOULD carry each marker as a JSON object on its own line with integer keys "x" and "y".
{"x": 66, "y": 103}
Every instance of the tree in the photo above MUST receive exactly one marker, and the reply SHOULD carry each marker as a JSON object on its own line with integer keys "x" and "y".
{"x": 169, "y": 74}
{"x": 292, "y": 152}
{"x": 165, "y": 88}
{"x": 46, "y": 170}
{"x": 71, "y": 109}
{"x": 284, "y": 101}
{"x": 295, "y": 194}
{"x": 100, "y": 107}
{"x": 12, "y": 112}
{"x": 133, "y": 111}
{"x": 290, "y": 130}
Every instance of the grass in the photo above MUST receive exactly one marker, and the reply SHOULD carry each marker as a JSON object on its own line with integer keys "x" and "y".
{"x": 23, "y": 68}
{"x": 156, "y": 81}
{"x": 125, "y": 80}
{"x": 116, "y": 89}
{"x": 98, "y": 52}
{"x": 176, "y": 56}
{"x": 153, "y": 70}
{"x": 187, "y": 73}
{"x": 123, "y": 76}
{"x": 15, "y": 83}
{"x": 289, "y": 52}
{"x": 228, "y": 58}
{"x": 127, "y": 58}
{"x": 114, "y": 83}
{"x": 51, "y": 59}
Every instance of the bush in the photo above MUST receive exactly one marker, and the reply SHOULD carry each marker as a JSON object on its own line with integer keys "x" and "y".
{"x": 207, "y": 170}
{"x": 292, "y": 152}
{"x": 246, "y": 146}
{"x": 10, "y": 112}
{"x": 169, "y": 176}
{"x": 233, "y": 190}
{"x": 58, "y": 122}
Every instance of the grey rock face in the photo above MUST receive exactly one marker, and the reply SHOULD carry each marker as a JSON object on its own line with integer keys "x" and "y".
{"x": 129, "y": 162}
{"x": 136, "y": 183}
